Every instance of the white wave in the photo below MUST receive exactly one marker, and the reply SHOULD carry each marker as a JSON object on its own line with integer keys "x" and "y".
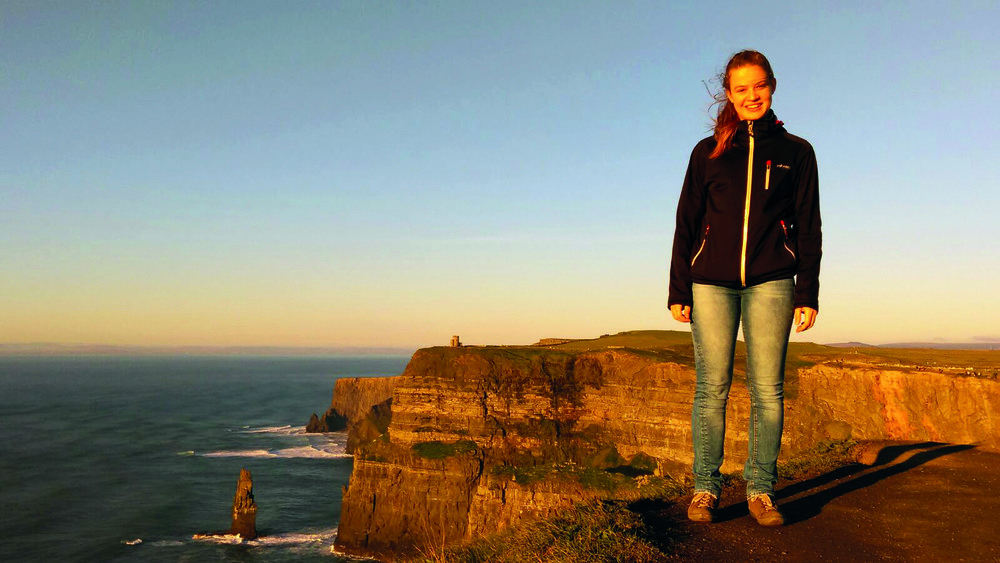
{"x": 167, "y": 543}
{"x": 329, "y": 445}
{"x": 291, "y": 538}
{"x": 239, "y": 453}
{"x": 288, "y": 430}
{"x": 221, "y": 538}
{"x": 136, "y": 541}
{"x": 331, "y": 452}
{"x": 284, "y": 430}
{"x": 299, "y": 537}
{"x": 333, "y": 550}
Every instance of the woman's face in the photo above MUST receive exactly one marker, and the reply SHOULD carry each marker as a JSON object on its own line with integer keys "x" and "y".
{"x": 749, "y": 91}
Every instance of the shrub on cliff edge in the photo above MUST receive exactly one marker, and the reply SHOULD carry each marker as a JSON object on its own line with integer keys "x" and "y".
{"x": 600, "y": 530}
{"x": 628, "y": 528}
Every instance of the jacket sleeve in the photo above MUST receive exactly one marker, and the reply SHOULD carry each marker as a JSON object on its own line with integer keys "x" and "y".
{"x": 810, "y": 237}
{"x": 690, "y": 212}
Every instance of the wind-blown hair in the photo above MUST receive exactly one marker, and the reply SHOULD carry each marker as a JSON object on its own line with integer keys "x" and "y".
{"x": 726, "y": 120}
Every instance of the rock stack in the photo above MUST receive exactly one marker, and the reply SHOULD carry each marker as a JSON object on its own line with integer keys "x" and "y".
{"x": 244, "y": 508}
{"x": 332, "y": 421}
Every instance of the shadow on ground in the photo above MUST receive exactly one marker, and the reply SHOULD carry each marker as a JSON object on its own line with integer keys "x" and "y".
{"x": 810, "y": 505}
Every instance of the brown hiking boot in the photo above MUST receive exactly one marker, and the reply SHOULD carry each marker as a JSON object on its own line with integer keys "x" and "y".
{"x": 765, "y": 511}
{"x": 702, "y": 507}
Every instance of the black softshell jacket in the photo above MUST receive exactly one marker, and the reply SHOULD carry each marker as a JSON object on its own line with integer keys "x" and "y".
{"x": 749, "y": 216}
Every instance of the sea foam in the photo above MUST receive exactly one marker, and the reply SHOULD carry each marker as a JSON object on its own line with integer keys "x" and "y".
{"x": 286, "y": 430}
{"x": 287, "y": 539}
{"x": 312, "y": 452}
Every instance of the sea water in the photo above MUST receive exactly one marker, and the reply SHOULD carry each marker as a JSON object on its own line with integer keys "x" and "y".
{"x": 126, "y": 458}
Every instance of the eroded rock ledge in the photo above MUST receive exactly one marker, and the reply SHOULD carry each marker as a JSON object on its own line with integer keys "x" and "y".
{"x": 470, "y": 440}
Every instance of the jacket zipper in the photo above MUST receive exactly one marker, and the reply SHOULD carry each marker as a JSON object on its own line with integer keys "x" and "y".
{"x": 767, "y": 176}
{"x": 746, "y": 209}
{"x": 704, "y": 239}
{"x": 785, "y": 242}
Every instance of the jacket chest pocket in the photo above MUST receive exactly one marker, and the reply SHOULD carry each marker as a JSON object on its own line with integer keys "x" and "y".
{"x": 775, "y": 176}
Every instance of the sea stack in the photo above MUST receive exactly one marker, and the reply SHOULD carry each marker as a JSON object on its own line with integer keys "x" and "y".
{"x": 244, "y": 508}
{"x": 332, "y": 421}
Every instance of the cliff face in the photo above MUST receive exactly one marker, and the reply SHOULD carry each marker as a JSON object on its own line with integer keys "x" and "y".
{"x": 866, "y": 402}
{"x": 482, "y": 438}
{"x": 470, "y": 425}
{"x": 354, "y": 396}
{"x": 360, "y": 405}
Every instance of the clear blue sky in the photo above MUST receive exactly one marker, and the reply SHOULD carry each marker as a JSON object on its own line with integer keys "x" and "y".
{"x": 390, "y": 173}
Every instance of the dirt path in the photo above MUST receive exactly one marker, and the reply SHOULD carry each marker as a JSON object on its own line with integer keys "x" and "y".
{"x": 917, "y": 502}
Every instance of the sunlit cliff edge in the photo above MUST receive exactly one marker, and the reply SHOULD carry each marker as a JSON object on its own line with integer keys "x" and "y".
{"x": 469, "y": 440}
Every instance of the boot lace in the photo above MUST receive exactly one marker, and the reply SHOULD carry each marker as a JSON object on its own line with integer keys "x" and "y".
{"x": 704, "y": 500}
{"x": 766, "y": 501}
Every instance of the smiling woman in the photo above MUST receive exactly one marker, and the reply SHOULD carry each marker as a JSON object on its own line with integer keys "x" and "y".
{"x": 746, "y": 251}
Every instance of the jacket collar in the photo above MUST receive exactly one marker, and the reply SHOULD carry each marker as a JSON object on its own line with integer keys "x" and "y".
{"x": 763, "y": 127}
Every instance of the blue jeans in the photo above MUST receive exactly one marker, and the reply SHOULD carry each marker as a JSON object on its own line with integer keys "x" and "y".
{"x": 766, "y": 310}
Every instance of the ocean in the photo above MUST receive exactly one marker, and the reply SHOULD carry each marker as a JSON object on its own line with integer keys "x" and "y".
{"x": 126, "y": 458}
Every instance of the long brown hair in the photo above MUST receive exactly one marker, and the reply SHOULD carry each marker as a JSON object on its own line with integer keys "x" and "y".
{"x": 726, "y": 120}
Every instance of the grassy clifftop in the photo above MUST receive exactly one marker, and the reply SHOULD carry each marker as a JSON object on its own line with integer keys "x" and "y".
{"x": 676, "y": 346}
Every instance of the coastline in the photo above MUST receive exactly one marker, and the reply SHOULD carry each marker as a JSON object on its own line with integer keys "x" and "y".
{"x": 110, "y": 450}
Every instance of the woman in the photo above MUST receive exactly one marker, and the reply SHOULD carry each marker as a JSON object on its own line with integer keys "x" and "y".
{"x": 747, "y": 247}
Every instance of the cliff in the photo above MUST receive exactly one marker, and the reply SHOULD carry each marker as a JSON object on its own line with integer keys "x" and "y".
{"x": 354, "y": 396}
{"x": 475, "y": 439}
{"x": 360, "y": 405}
{"x": 871, "y": 402}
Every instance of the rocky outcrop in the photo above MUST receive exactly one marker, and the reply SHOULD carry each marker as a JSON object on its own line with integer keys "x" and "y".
{"x": 332, "y": 421}
{"x": 244, "y": 513}
{"x": 470, "y": 440}
{"x": 244, "y": 508}
{"x": 481, "y": 438}
{"x": 354, "y": 396}
{"x": 353, "y": 399}
{"x": 872, "y": 403}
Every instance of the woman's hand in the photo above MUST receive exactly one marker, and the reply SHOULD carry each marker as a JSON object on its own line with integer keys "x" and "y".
{"x": 805, "y": 318}
{"x": 681, "y": 313}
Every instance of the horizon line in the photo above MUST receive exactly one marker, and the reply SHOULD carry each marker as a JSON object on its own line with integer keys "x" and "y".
{"x": 76, "y": 348}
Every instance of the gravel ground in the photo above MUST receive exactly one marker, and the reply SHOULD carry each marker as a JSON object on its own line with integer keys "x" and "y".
{"x": 913, "y": 502}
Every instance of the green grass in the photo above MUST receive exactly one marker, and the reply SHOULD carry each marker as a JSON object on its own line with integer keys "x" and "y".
{"x": 825, "y": 456}
{"x": 440, "y": 450}
{"x": 621, "y": 481}
{"x": 523, "y": 475}
{"x": 637, "y": 339}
